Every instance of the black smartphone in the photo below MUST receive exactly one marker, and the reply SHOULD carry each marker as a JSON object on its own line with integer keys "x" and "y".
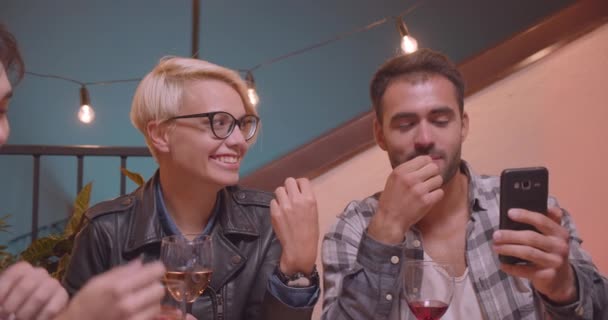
{"x": 523, "y": 188}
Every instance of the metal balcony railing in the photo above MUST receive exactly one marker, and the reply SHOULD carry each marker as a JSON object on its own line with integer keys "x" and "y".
{"x": 80, "y": 152}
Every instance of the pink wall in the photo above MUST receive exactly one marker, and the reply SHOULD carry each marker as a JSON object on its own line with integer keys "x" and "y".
{"x": 552, "y": 113}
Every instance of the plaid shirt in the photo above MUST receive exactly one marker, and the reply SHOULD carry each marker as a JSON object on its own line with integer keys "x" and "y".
{"x": 361, "y": 275}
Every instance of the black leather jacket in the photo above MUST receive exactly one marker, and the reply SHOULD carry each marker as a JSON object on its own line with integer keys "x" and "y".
{"x": 245, "y": 251}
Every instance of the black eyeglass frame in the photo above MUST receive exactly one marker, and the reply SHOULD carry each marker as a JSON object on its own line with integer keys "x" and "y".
{"x": 235, "y": 122}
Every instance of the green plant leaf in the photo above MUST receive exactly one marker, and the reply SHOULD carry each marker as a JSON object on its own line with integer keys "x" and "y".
{"x": 4, "y": 226}
{"x": 40, "y": 250}
{"x": 53, "y": 252}
{"x": 6, "y": 259}
{"x": 64, "y": 246}
{"x": 81, "y": 204}
{"x": 135, "y": 177}
{"x": 62, "y": 266}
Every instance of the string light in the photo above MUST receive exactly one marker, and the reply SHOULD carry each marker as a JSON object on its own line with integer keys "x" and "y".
{"x": 86, "y": 114}
{"x": 251, "y": 92}
{"x": 409, "y": 44}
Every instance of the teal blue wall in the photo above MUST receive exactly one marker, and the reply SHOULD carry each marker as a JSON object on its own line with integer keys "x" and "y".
{"x": 301, "y": 98}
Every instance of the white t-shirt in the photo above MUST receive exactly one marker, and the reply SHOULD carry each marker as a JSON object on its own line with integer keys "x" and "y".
{"x": 464, "y": 305}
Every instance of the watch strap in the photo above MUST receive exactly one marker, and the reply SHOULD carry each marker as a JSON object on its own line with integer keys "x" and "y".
{"x": 299, "y": 279}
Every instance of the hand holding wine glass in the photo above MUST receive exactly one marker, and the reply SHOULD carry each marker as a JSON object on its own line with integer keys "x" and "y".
{"x": 131, "y": 291}
{"x": 428, "y": 287}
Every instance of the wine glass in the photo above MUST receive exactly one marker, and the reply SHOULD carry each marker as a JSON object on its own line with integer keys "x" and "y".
{"x": 189, "y": 261}
{"x": 428, "y": 288}
{"x": 173, "y": 304}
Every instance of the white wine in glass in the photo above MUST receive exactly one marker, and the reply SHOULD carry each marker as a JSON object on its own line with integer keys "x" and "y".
{"x": 196, "y": 282}
{"x": 189, "y": 261}
{"x": 173, "y": 304}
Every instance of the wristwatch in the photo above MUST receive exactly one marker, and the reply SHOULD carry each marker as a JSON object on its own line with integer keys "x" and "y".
{"x": 299, "y": 279}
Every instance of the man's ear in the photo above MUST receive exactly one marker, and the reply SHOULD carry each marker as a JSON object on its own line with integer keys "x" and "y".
{"x": 379, "y": 135}
{"x": 158, "y": 135}
{"x": 464, "y": 131}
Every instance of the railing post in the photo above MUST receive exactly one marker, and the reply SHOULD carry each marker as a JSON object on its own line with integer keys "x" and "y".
{"x": 35, "y": 196}
{"x": 80, "y": 174}
{"x": 123, "y": 181}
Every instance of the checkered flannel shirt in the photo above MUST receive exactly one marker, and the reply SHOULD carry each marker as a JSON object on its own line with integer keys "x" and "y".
{"x": 361, "y": 275}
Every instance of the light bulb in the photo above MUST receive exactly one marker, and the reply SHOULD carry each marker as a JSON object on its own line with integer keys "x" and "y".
{"x": 254, "y": 99}
{"x": 253, "y": 96}
{"x": 86, "y": 114}
{"x": 409, "y": 44}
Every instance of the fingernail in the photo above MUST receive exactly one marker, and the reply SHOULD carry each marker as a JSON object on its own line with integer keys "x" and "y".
{"x": 513, "y": 213}
{"x": 497, "y": 235}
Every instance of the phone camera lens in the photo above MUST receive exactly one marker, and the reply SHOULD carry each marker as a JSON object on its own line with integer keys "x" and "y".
{"x": 526, "y": 185}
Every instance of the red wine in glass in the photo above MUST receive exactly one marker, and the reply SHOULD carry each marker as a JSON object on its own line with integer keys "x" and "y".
{"x": 428, "y": 287}
{"x": 428, "y": 309}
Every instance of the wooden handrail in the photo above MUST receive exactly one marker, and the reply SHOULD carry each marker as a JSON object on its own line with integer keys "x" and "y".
{"x": 78, "y": 150}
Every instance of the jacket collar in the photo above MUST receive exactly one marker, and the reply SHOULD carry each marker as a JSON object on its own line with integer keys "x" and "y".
{"x": 145, "y": 227}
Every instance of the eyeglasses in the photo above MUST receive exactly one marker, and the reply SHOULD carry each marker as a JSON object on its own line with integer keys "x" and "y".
{"x": 223, "y": 123}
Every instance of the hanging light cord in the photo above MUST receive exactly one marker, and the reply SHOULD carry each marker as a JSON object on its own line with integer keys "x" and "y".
{"x": 94, "y": 83}
{"x": 335, "y": 38}
{"x": 268, "y": 62}
{"x": 317, "y": 45}
{"x": 42, "y": 75}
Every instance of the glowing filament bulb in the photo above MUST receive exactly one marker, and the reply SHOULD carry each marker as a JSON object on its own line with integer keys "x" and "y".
{"x": 253, "y": 96}
{"x": 409, "y": 44}
{"x": 254, "y": 99}
{"x": 86, "y": 114}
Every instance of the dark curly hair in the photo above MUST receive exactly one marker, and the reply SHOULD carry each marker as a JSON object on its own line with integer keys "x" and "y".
{"x": 418, "y": 65}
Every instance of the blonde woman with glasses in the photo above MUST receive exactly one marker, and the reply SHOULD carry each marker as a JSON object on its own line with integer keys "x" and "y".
{"x": 198, "y": 124}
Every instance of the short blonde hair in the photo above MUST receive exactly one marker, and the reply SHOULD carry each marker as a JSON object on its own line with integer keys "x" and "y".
{"x": 159, "y": 95}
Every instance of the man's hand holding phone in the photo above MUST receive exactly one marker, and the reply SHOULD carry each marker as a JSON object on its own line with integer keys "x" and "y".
{"x": 411, "y": 190}
{"x": 546, "y": 251}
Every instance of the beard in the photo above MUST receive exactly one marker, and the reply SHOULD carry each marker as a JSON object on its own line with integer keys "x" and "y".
{"x": 452, "y": 161}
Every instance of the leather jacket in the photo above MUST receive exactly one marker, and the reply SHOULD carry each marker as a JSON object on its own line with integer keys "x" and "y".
{"x": 245, "y": 251}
